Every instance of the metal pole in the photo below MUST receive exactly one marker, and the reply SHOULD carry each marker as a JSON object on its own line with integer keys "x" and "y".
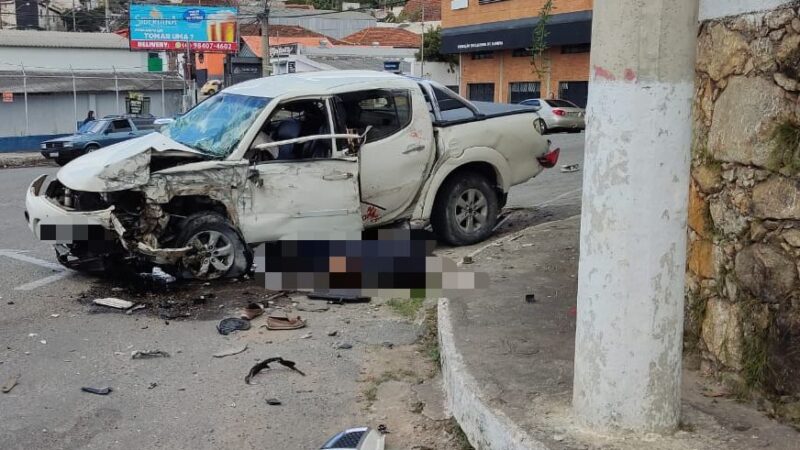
{"x": 422, "y": 49}
{"x": 74, "y": 28}
{"x": 25, "y": 94}
{"x": 74, "y": 98}
{"x": 629, "y": 331}
{"x": 163, "y": 103}
{"x": 116, "y": 88}
{"x": 266, "y": 64}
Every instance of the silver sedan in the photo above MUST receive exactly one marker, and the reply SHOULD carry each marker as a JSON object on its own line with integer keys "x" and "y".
{"x": 557, "y": 115}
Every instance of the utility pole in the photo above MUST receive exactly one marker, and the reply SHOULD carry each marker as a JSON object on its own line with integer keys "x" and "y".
{"x": 266, "y": 64}
{"x": 107, "y": 16}
{"x": 422, "y": 47}
{"x": 74, "y": 28}
{"x": 629, "y": 335}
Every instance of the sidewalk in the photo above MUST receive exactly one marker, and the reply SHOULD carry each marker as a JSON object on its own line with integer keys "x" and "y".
{"x": 23, "y": 159}
{"x": 508, "y": 364}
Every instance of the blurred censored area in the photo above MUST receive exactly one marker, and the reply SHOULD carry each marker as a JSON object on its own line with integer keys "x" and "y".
{"x": 375, "y": 263}
{"x": 94, "y": 235}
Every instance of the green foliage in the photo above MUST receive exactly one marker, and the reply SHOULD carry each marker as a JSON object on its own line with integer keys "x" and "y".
{"x": 785, "y": 154}
{"x": 406, "y": 307}
{"x": 540, "y": 33}
{"x": 433, "y": 45}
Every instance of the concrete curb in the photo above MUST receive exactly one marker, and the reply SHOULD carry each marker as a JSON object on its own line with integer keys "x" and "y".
{"x": 485, "y": 427}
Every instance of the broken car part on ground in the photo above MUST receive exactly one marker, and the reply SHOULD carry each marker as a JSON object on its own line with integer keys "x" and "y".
{"x": 267, "y": 159}
{"x": 265, "y": 365}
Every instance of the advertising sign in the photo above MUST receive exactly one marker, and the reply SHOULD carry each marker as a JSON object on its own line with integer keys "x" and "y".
{"x": 8, "y": 97}
{"x": 207, "y": 29}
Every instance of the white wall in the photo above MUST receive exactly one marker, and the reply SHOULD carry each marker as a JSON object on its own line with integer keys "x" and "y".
{"x": 713, "y": 9}
{"x": 436, "y": 71}
{"x": 80, "y": 58}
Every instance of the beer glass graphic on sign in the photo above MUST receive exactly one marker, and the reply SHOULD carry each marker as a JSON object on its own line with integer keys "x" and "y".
{"x": 222, "y": 27}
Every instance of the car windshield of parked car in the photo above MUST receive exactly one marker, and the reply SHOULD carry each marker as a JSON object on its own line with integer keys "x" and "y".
{"x": 216, "y": 125}
{"x": 561, "y": 104}
{"x": 93, "y": 127}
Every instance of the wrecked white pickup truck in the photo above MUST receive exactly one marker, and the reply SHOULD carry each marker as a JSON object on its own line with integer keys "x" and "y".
{"x": 273, "y": 157}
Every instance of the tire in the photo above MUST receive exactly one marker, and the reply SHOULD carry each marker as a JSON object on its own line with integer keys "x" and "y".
{"x": 450, "y": 217}
{"x": 90, "y": 148}
{"x": 205, "y": 231}
{"x": 541, "y": 126}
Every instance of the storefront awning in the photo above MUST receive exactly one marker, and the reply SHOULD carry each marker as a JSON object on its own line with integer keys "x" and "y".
{"x": 564, "y": 29}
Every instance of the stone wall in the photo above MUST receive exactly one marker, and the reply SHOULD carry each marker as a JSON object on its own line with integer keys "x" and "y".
{"x": 743, "y": 287}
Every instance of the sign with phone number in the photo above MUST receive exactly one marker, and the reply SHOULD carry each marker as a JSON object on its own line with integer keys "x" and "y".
{"x": 174, "y": 27}
{"x": 181, "y": 46}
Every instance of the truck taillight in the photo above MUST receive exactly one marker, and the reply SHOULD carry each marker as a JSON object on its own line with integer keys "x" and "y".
{"x": 559, "y": 112}
{"x": 549, "y": 159}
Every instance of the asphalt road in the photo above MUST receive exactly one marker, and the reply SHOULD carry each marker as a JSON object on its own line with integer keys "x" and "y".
{"x": 57, "y": 344}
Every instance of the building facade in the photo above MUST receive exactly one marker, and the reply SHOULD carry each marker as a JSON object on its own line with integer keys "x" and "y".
{"x": 493, "y": 39}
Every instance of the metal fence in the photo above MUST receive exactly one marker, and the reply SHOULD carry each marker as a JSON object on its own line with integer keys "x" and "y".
{"x": 46, "y": 95}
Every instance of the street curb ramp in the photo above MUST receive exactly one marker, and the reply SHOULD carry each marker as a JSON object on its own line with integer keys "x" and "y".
{"x": 485, "y": 427}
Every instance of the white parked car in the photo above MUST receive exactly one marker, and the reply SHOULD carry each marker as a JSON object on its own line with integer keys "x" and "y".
{"x": 269, "y": 158}
{"x": 557, "y": 115}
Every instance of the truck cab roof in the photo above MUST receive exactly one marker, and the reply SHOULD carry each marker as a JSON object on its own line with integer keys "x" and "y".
{"x": 320, "y": 83}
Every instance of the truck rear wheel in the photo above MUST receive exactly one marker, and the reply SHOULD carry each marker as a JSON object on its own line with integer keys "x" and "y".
{"x": 466, "y": 209}
{"x": 218, "y": 249}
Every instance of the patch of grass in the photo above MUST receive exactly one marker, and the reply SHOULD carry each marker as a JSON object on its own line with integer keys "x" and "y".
{"x": 460, "y": 439}
{"x": 429, "y": 340}
{"x": 785, "y": 152}
{"x": 371, "y": 392}
{"x": 406, "y": 307}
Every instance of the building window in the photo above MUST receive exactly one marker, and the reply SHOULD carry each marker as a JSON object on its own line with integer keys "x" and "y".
{"x": 578, "y": 48}
{"x": 481, "y": 92}
{"x": 522, "y": 52}
{"x": 483, "y": 55}
{"x": 524, "y": 90}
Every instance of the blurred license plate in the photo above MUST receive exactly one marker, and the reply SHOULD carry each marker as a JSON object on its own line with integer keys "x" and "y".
{"x": 54, "y": 154}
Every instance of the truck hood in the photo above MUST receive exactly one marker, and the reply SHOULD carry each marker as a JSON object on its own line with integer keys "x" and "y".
{"x": 70, "y": 138}
{"x": 120, "y": 166}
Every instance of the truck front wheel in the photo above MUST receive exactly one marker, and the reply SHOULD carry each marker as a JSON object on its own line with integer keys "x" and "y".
{"x": 218, "y": 250}
{"x": 466, "y": 210}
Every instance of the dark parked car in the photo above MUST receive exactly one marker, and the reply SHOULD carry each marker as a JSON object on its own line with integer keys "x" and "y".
{"x": 95, "y": 134}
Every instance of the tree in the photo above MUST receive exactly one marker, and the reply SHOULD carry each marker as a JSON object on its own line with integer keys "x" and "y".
{"x": 433, "y": 45}
{"x": 85, "y": 19}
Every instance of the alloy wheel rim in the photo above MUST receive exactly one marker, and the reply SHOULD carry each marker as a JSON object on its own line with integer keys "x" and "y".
{"x": 471, "y": 211}
{"x": 214, "y": 254}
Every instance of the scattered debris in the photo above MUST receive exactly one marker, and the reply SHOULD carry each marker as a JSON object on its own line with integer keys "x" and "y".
{"x": 152, "y": 385}
{"x": 273, "y": 401}
{"x": 312, "y": 307}
{"x": 265, "y": 365}
{"x": 230, "y": 352}
{"x": 285, "y": 323}
{"x": 333, "y": 333}
{"x": 569, "y": 168}
{"x": 55, "y": 315}
{"x": 231, "y": 324}
{"x": 135, "y": 308}
{"x": 148, "y": 354}
{"x": 9, "y": 303}
{"x": 43, "y": 342}
{"x": 113, "y": 303}
{"x": 252, "y": 311}
{"x": 33, "y": 334}
{"x": 716, "y": 392}
{"x": 383, "y": 429}
{"x": 388, "y": 345}
{"x": 343, "y": 346}
{"x": 98, "y": 391}
{"x": 530, "y": 298}
{"x": 467, "y": 260}
{"x": 339, "y": 299}
{"x": 306, "y": 336}
{"x": 158, "y": 276}
{"x": 9, "y": 384}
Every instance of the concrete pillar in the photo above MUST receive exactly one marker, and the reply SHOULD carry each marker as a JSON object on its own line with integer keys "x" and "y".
{"x": 633, "y": 222}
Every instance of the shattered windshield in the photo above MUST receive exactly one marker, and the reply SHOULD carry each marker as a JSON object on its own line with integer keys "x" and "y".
{"x": 216, "y": 126}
